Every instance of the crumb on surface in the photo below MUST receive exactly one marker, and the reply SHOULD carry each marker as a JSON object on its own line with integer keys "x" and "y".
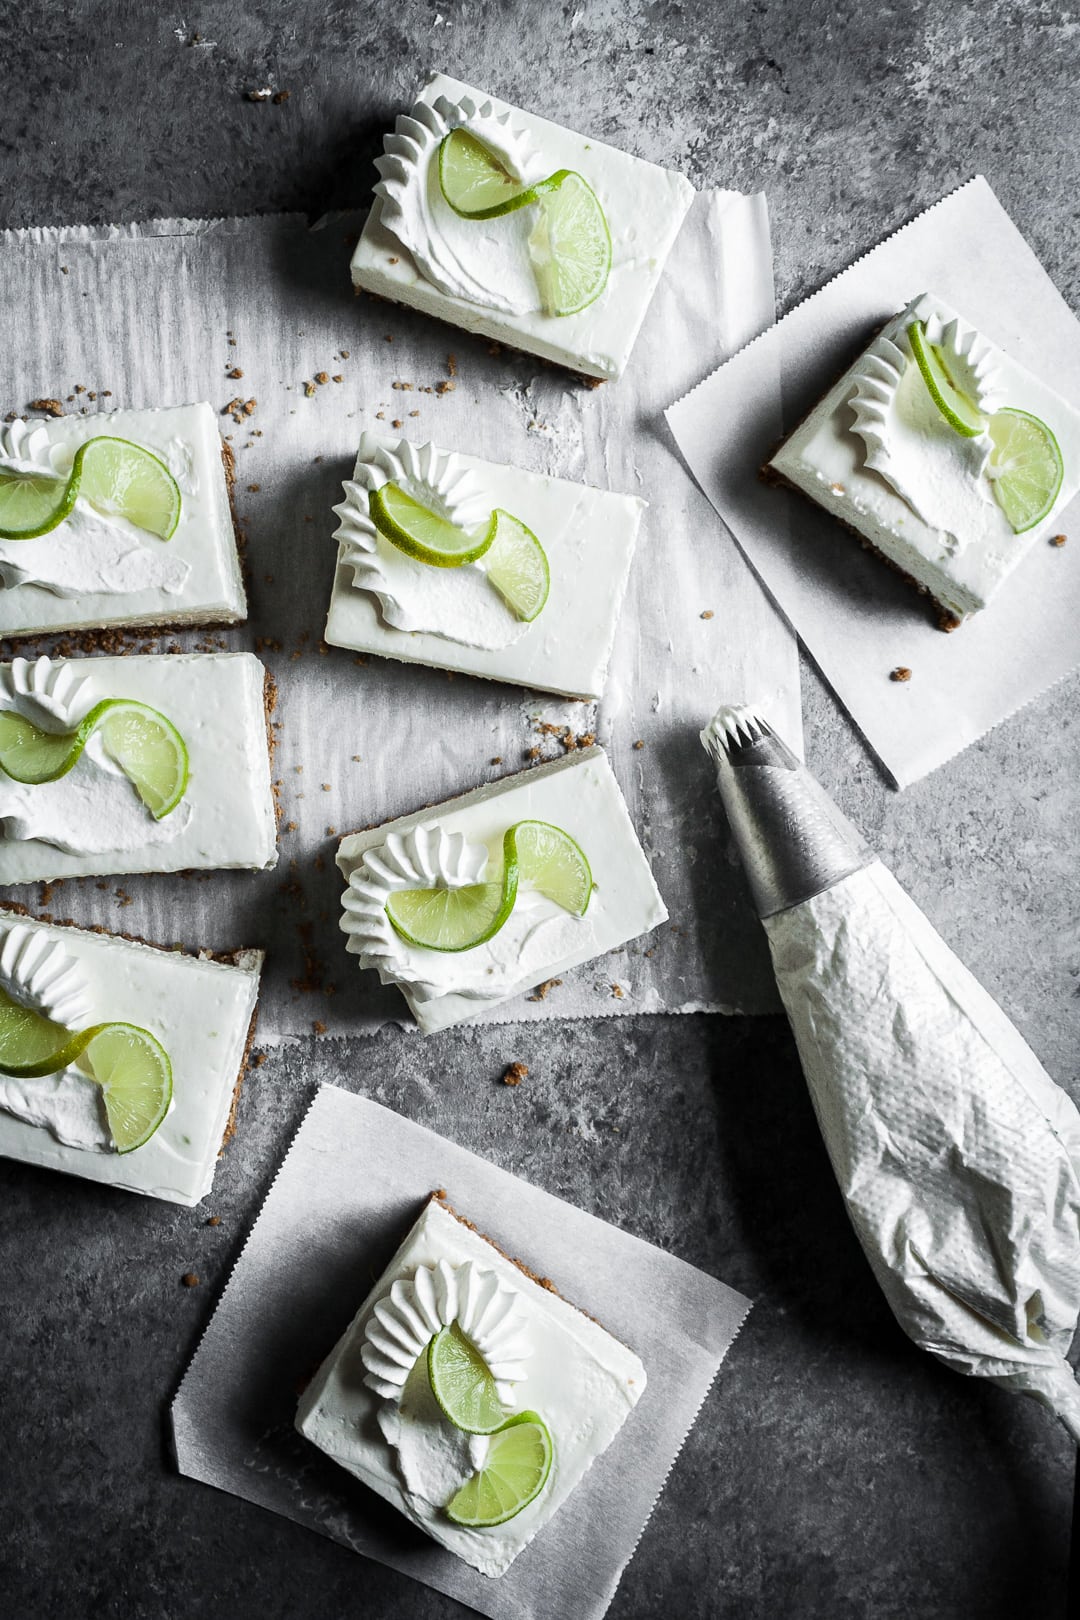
{"x": 318, "y": 1026}
{"x": 617, "y": 991}
{"x": 708, "y": 614}
{"x": 213, "y": 1220}
{"x": 900, "y": 673}
{"x": 235, "y": 373}
{"x": 50, "y": 407}
{"x": 1058, "y": 539}
{"x": 543, "y": 990}
{"x": 514, "y": 1073}
{"x": 190, "y": 1279}
{"x": 497, "y": 759}
{"x": 639, "y": 744}
{"x": 281, "y": 98}
{"x": 445, "y": 385}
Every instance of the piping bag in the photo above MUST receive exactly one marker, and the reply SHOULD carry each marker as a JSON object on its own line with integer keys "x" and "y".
{"x": 957, "y": 1155}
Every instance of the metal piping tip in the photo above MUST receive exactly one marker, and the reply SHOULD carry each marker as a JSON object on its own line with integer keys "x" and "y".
{"x": 793, "y": 840}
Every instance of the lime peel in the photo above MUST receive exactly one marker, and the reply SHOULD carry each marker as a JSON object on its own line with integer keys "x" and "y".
{"x": 114, "y": 475}
{"x": 422, "y": 534}
{"x": 442, "y": 919}
{"x": 146, "y": 745}
{"x": 961, "y": 414}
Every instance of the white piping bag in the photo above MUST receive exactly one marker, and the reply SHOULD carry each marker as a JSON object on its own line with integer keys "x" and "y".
{"x": 958, "y": 1156}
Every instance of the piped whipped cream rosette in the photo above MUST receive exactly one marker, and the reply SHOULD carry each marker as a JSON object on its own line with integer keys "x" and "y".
{"x": 88, "y": 523}
{"x": 958, "y": 1156}
{"x": 421, "y": 536}
{"x": 82, "y": 771}
{"x": 99, "y": 1086}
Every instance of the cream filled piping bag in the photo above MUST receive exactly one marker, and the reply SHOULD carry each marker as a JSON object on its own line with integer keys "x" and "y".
{"x": 957, "y": 1154}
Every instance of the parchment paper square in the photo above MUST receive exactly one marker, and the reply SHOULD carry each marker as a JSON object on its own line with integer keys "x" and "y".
{"x": 856, "y": 617}
{"x": 353, "y": 1181}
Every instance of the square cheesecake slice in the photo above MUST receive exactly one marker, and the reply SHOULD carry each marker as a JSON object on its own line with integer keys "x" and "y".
{"x": 538, "y": 607}
{"x": 943, "y": 453}
{"x": 146, "y": 1108}
{"x": 155, "y": 763}
{"x": 150, "y": 538}
{"x": 431, "y": 906}
{"x": 373, "y": 1408}
{"x": 567, "y": 276}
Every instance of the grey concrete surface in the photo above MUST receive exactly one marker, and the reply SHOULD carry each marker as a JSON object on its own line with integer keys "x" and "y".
{"x": 834, "y": 1472}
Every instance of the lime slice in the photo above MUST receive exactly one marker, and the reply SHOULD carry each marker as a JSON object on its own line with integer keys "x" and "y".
{"x": 122, "y": 478}
{"x": 31, "y": 503}
{"x": 515, "y": 1471}
{"x": 570, "y": 246}
{"x": 551, "y": 862}
{"x": 517, "y": 567}
{"x": 462, "y": 1384}
{"x": 422, "y": 533}
{"x": 146, "y": 746}
{"x": 959, "y": 411}
{"x": 1025, "y": 467}
{"x": 149, "y": 750}
{"x": 31, "y": 1045}
{"x": 451, "y": 919}
{"x": 474, "y": 182}
{"x": 135, "y": 1074}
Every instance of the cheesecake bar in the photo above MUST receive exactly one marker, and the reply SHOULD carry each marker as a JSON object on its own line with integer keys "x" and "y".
{"x": 156, "y": 763}
{"x": 552, "y": 629}
{"x": 106, "y": 563}
{"x": 372, "y": 1406}
{"x": 943, "y": 453}
{"x": 567, "y": 275}
{"x": 199, "y": 1011}
{"x": 583, "y": 887}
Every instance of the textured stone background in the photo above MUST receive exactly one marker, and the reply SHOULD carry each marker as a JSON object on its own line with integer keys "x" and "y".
{"x": 834, "y": 1472}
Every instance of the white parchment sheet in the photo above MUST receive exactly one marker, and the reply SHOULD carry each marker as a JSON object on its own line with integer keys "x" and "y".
{"x": 350, "y": 1186}
{"x": 857, "y": 619}
{"x": 161, "y": 314}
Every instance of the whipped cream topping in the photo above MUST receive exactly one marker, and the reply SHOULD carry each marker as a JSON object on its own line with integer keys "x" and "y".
{"x": 459, "y": 604}
{"x": 941, "y": 474}
{"x": 403, "y": 1323}
{"x": 92, "y": 809}
{"x": 38, "y": 973}
{"x": 483, "y": 261}
{"x": 536, "y": 933}
{"x": 90, "y": 552}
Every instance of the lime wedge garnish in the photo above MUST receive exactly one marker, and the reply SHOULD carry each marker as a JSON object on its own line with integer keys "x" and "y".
{"x": 551, "y": 862}
{"x": 422, "y": 533}
{"x": 114, "y": 475}
{"x": 134, "y": 1072}
{"x": 146, "y": 746}
{"x": 517, "y": 567}
{"x": 124, "y": 479}
{"x": 462, "y": 1384}
{"x": 129, "y": 1064}
{"x": 31, "y": 1044}
{"x": 959, "y": 411}
{"x": 149, "y": 750}
{"x": 570, "y": 246}
{"x": 1025, "y": 467}
{"x": 515, "y": 1471}
{"x": 474, "y": 182}
{"x": 31, "y": 504}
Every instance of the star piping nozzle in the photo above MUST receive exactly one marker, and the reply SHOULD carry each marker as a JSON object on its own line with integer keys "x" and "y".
{"x": 793, "y": 839}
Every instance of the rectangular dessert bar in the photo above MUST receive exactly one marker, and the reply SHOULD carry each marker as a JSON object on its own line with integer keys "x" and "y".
{"x": 880, "y": 455}
{"x": 386, "y": 602}
{"x": 97, "y": 569}
{"x": 477, "y": 274}
{"x": 460, "y": 842}
{"x": 92, "y": 821}
{"x": 570, "y": 1372}
{"x": 200, "y": 1008}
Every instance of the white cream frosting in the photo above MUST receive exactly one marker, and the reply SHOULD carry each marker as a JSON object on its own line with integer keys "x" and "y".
{"x": 940, "y": 473}
{"x": 90, "y": 552}
{"x": 416, "y": 1308}
{"x": 94, "y": 808}
{"x": 38, "y": 973}
{"x": 537, "y": 931}
{"x": 484, "y": 261}
{"x": 459, "y": 604}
